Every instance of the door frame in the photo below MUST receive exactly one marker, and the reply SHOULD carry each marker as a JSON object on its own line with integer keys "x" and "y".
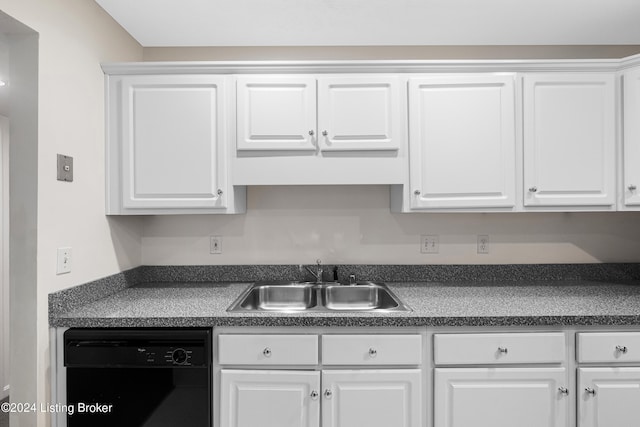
{"x": 4, "y": 257}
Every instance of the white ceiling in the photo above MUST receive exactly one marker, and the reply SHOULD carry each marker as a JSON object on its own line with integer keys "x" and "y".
{"x": 377, "y": 22}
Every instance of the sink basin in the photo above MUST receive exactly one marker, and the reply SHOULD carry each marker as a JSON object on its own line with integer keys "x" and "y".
{"x": 310, "y": 296}
{"x": 293, "y": 297}
{"x": 360, "y": 297}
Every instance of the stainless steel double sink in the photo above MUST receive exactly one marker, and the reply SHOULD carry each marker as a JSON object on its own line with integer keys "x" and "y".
{"x": 314, "y": 297}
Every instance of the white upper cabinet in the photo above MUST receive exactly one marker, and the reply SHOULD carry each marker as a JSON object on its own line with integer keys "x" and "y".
{"x": 359, "y": 113}
{"x": 276, "y": 113}
{"x": 462, "y": 142}
{"x": 333, "y": 129}
{"x": 166, "y": 150}
{"x": 631, "y": 138}
{"x": 569, "y": 140}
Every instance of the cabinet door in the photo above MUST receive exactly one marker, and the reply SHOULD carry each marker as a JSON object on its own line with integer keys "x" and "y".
{"x": 359, "y": 113}
{"x": 500, "y": 397}
{"x": 276, "y": 113}
{"x": 631, "y": 152}
{"x": 462, "y": 141}
{"x": 569, "y": 139}
{"x": 172, "y": 136}
{"x": 608, "y": 397}
{"x": 269, "y": 398}
{"x": 372, "y": 398}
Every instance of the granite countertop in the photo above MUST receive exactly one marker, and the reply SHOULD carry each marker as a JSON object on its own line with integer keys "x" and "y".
{"x": 535, "y": 303}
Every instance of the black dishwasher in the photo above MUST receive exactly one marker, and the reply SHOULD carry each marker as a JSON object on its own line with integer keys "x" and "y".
{"x": 138, "y": 377}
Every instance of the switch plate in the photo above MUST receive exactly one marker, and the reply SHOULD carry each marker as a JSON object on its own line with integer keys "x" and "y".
{"x": 64, "y": 260}
{"x": 215, "y": 245}
{"x": 483, "y": 244}
{"x": 429, "y": 244}
{"x": 65, "y": 168}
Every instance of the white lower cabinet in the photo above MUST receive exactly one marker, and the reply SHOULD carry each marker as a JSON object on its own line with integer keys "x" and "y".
{"x": 372, "y": 398}
{"x": 278, "y": 398}
{"x": 609, "y": 394}
{"x": 501, "y": 397}
{"x": 251, "y": 398}
{"x": 609, "y": 397}
{"x": 285, "y": 380}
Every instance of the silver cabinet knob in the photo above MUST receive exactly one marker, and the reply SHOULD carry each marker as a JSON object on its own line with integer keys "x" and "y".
{"x": 417, "y": 192}
{"x": 266, "y": 352}
{"x": 314, "y": 395}
{"x": 373, "y": 352}
{"x": 328, "y": 394}
{"x": 533, "y": 189}
{"x": 220, "y": 192}
{"x": 632, "y": 187}
{"x": 563, "y": 390}
{"x": 590, "y": 391}
{"x": 622, "y": 349}
{"x": 312, "y": 132}
{"x": 325, "y": 133}
{"x": 503, "y": 350}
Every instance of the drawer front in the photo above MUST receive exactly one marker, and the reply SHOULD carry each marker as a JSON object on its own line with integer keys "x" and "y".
{"x": 609, "y": 347}
{"x": 471, "y": 349}
{"x": 372, "y": 349}
{"x": 268, "y": 349}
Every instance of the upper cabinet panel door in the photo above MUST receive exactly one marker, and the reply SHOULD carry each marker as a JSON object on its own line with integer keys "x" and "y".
{"x": 359, "y": 113}
{"x": 462, "y": 141}
{"x": 631, "y": 182}
{"x": 569, "y": 139}
{"x": 276, "y": 113}
{"x": 173, "y": 130}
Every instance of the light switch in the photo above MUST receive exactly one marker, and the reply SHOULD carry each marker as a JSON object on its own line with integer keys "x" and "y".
{"x": 64, "y": 261}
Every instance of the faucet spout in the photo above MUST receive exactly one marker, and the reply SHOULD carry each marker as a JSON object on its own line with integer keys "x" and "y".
{"x": 318, "y": 273}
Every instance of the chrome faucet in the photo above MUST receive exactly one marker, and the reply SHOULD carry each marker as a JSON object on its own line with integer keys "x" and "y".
{"x": 352, "y": 280}
{"x": 318, "y": 272}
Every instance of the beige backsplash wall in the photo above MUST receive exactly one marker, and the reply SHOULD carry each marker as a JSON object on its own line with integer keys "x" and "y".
{"x": 387, "y": 52}
{"x": 354, "y": 224}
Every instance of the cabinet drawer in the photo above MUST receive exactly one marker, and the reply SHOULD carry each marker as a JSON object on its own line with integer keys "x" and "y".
{"x": 464, "y": 349}
{"x": 268, "y": 349}
{"x": 595, "y": 347}
{"x": 371, "y": 349}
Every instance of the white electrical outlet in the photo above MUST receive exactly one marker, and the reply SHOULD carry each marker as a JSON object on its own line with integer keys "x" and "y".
{"x": 64, "y": 261}
{"x": 215, "y": 246}
{"x": 429, "y": 244}
{"x": 483, "y": 244}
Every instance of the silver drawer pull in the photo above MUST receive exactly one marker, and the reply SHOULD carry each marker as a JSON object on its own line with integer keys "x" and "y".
{"x": 267, "y": 352}
{"x": 328, "y": 394}
{"x": 622, "y": 349}
{"x": 563, "y": 390}
{"x": 590, "y": 391}
{"x": 503, "y": 350}
{"x": 314, "y": 394}
{"x": 373, "y": 352}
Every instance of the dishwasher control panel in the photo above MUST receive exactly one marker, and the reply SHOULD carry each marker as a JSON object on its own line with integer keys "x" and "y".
{"x": 115, "y": 348}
